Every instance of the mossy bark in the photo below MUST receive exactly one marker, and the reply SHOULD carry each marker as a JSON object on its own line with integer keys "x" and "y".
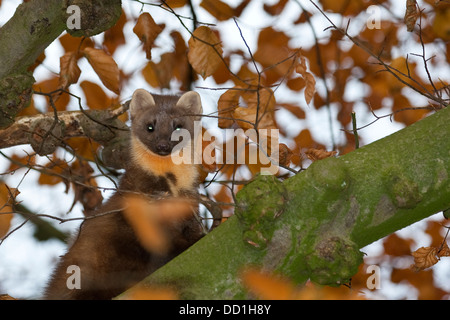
{"x": 313, "y": 225}
{"x": 33, "y": 27}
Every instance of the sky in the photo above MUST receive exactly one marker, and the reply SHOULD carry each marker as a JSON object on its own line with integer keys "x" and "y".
{"x": 25, "y": 264}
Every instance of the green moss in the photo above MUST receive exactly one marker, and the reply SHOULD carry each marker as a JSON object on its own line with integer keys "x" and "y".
{"x": 334, "y": 261}
{"x": 258, "y": 205}
{"x": 15, "y": 95}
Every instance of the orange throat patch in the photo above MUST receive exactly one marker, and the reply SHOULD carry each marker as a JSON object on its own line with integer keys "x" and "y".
{"x": 186, "y": 174}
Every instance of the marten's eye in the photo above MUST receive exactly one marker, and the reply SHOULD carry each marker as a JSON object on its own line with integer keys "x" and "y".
{"x": 178, "y": 127}
{"x": 150, "y": 128}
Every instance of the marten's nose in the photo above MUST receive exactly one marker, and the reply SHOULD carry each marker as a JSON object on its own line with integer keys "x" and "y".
{"x": 163, "y": 148}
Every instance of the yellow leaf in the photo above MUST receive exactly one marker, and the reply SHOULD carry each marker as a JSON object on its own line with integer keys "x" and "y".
{"x": 147, "y": 31}
{"x": 205, "y": 51}
{"x": 105, "y": 67}
{"x": 441, "y": 24}
{"x": 69, "y": 70}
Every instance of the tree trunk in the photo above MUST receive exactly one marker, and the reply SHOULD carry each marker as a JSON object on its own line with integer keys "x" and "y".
{"x": 312, "y": 225}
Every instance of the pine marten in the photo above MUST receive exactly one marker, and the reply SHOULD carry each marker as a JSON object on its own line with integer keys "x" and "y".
{"x": 106, "y": 250}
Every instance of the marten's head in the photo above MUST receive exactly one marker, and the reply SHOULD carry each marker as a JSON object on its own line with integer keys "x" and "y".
{"x": 155, "y": 118}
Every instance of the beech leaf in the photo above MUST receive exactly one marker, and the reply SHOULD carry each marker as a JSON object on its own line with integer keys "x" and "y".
{"x": 69, "y": 70}
{"x": 147, "y": 31}
{"x": 105, "y": 67}
{"x": 310, "y": 87}
{"x": 424, "y": 257}
{"x": 205, "y": 51}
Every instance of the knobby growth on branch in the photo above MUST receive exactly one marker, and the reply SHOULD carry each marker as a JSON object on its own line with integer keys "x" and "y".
{"x": 340, "y": 62}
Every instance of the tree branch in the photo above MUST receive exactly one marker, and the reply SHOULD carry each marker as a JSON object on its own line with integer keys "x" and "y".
{"x": 25, "y": 36}
{"x": 100, "y": 125}
{"x": 312, "y": 225}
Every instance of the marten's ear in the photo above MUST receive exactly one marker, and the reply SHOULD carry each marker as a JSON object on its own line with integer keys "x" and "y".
{"x": 191, "y": 102}
{"x": 142, "y": 99}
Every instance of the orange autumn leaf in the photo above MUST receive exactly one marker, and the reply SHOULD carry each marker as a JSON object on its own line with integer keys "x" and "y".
{"x": 267, "y": 286}
{"x": 114, "y": 37}
{"x": 59, "y": 99}
{"x": 424, "y": 257}
{"x": 218, "y": 9}
{"x": 105, "y": 67}
{"x": 228, "y": 101}
{"x": 7, "y": 198}
{"x": 84, "y": 147}
{"x": 261, "y": 104}
{"x": 96, "y": 98}
{"x": 69, "y": 70}
{"x": 175, "y": 3}
{"x": 310, "y": 86}
{"x": 54, "y": 172}
{"x": 147, "y": 31}
{"x": 148, "y": 220}
{"x": 146, "y": 293}
{"x": 205, "y": 51}
{"x": 208, "y": 154}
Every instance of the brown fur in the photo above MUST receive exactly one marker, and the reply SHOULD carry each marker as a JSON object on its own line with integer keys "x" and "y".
{"x": 106, "y": 249}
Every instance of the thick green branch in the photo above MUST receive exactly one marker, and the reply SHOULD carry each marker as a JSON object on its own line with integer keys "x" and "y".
{"x": 312, "y": 225}
{"x": 25, "y": 36}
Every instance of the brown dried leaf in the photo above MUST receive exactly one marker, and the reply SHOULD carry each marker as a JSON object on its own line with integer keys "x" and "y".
{"x": 444, "y": 251}
{"x": 53, "y": 173}
{"x": 285, "y": 155}
{"x": 276, "y": 8}
{"x": 114, "y": 36}
{"x": 96, "y": 98}
{"x": 69, "y": 70}
{"x": 310, "y": 88}
{"x": 424, "y": 257}
{"x": 319, "y": 154}
{"x": 261, "y": 104}
{"x": 411, "y": 15}
{"x": 218, "y": 9}
{"x": 85, "y": 186}
{"x": 147, "y": 31}
{"x": 228, "y": 101}
{"x": 208, "y": 154}
{"x": 175, "y": 3}
{"x": 105, "y": 67}
{"x": 205, "y": 51}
